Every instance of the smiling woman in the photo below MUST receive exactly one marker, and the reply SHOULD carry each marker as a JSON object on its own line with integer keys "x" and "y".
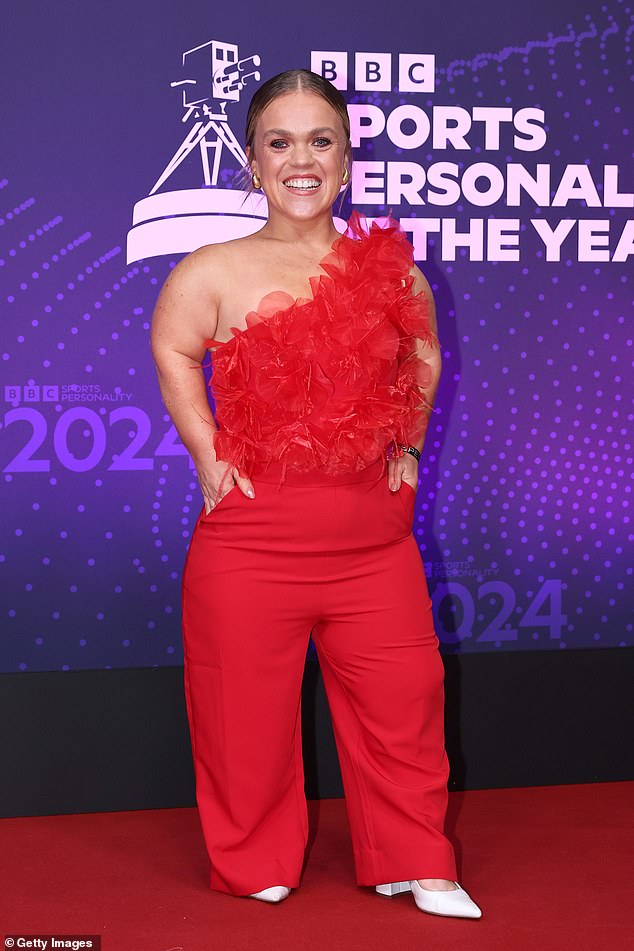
{"x": 308, "y": 160}
{"x": 274, "y": 136}
{"x": 322, "y": 402}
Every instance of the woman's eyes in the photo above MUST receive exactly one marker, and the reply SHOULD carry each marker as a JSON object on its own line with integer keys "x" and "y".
{"x": 321, "y": 141}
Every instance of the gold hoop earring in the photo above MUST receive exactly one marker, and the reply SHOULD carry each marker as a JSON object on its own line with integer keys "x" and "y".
{"x": 255, "y": 178}
{"x": 346, "y": 175}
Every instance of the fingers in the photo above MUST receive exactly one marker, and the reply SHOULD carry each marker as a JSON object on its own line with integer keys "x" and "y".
{"x": 394, "y": 474}
{"x": 395, "y": 477}
{"x": 246, "y": 486}
{"x": 397, "y": 472}
{"x": 210, "y": 497}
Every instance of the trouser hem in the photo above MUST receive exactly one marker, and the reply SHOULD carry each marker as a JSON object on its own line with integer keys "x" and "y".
{"x": 245, "y": 882}
{"x": 376, "y": 868}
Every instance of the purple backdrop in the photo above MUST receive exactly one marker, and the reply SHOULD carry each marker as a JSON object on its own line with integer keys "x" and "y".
{"x": 523, "y": 516}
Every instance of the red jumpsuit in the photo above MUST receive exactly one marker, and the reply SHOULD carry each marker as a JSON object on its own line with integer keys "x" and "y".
{"x": 310, "y": 398}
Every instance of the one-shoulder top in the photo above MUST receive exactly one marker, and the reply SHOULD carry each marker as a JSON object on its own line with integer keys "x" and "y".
{"x": 336, "y": 380}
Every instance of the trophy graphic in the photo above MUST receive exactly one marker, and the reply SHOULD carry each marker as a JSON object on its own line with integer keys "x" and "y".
{"x": 173, "y": 222}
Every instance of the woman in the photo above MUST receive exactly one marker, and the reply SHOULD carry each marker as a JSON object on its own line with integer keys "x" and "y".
{"x": 309, "y": 475}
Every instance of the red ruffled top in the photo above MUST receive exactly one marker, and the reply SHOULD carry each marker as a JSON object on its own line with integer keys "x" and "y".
{"x": 336, "y": 380}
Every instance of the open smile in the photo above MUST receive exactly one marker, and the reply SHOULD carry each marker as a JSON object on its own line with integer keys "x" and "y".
{"x": 303, "y": 185}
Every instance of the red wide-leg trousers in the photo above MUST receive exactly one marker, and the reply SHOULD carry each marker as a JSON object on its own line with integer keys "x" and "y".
{"x": 335, "y": 558}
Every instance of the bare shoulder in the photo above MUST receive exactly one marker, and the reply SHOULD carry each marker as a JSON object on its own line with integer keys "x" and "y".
{"x": 228, "y": 253}
{"x": 225, "y": 262}
{"x": 187, "y": 281}
{"x": 189, "y": 307}
{"x": 201, "y": 270}
{"x": 197, "y": 282}
{"x": 186, "y": 311}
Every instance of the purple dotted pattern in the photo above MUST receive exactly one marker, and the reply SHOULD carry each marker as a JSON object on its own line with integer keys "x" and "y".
{"x": 90, "y": 579}
{"x": 523, "y": 509}
{"x": 526, "y": 475}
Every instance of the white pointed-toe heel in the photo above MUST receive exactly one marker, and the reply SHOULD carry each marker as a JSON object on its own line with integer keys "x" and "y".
{"x": 274, "y": 893}
{"x": 454, "y": 903}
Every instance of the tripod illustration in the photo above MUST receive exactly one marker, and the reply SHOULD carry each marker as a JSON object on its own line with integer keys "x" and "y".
{"x": 211, "y": 130}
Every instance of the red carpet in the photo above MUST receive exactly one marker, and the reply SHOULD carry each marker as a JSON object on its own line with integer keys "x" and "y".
{"x": 551, "y": 868}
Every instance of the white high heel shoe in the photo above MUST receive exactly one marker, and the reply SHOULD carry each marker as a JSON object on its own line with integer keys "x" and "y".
{"x": 455, "y": 903}
{"x": 274, "y": 893}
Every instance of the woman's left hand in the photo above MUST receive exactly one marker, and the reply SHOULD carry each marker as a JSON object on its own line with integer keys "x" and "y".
{"x": 402, "y": 469}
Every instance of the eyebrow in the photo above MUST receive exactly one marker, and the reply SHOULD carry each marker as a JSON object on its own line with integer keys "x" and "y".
{"x": 323, "y": 128}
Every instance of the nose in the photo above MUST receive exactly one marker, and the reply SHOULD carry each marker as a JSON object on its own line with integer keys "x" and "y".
{"x": 302, "y": 156}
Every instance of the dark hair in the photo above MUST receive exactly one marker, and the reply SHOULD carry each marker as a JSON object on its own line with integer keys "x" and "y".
{"x": 290, "y": 81}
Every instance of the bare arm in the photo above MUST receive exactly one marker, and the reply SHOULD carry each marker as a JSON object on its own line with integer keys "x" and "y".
{"x": 406, "y": 466}
{"x": 427, "y": 352}
{"x": 185, "y": 315}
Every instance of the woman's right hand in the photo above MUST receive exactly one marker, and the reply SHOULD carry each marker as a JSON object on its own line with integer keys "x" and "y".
{"x": 212, "y": 476}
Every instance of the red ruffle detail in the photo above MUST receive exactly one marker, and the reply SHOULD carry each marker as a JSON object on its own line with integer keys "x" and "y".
{"x": 335, "y": 380}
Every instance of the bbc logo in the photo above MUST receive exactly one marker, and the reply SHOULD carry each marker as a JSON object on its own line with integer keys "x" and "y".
{"x": 373, "y": 72}
{"x": 31, "y": 394}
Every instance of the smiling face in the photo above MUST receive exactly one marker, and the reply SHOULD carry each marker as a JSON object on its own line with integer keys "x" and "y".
{"x": 300, "y": 151}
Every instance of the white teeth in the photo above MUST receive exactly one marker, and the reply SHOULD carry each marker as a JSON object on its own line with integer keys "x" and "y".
{"x": 302, "y": 183}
